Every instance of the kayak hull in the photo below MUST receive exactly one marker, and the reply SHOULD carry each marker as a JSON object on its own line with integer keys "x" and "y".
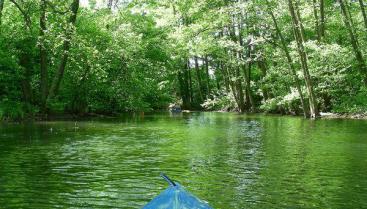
{"x": 176, "y": 197}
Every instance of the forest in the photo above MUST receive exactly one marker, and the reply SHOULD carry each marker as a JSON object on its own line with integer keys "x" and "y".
{"x": 79, "y": 57}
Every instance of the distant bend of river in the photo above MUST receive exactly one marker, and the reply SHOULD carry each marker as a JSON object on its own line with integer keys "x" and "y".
{"x": 231, "y": 161}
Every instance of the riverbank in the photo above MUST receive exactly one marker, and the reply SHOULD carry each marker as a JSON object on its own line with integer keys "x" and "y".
{"x": 60, "y": 116}
{"x": 361, "y": 116}
{"x": 86, "y": 116}
{"x": 323, "y": 115}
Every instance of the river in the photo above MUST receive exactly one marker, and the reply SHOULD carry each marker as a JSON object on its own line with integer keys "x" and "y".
{"x": 232, "y": 161}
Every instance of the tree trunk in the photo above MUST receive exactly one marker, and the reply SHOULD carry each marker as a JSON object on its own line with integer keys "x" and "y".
{"x": 322, "y": 19}
{"x": 185, "y": 88}
{"x": 236, "y": 87}
{"x": 207, "y": 76}
{"x": 183, "y": 77}
{"x": 43, "y": 57}
{"x": 230, "y": 81}
{"x": 290, "y": 62}
{"x": 361, "y": 4}
{"x": 239, "y": 89}
{"x": 247, "y": 74}
{"x": 354, "y": 41}
{"x": 225, "y": 77}
{"x": 25, "y": 62}
{"x": 78, "y": 103}
{"x": 1, "y": 10}
{"x": 249, "y": 103}
{"x": 198, "y": 77}
{"x": 217, "y": 83}
{"x": 189, "y": 79}
{"x": 26, "y": 17}
{"x": 298, "y": 16}
{"x": 65, "y": 54}
{"x": 349, "y": 14}
{"x": 263, "y": 68}
{"x": 297, "y": 28}
{"x": 316, "y": 16}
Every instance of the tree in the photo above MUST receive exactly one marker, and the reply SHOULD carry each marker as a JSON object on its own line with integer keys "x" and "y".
{"x": 289, "y": 59}
{"x": 240, "y": 55}
{"x": 43, "y": 56}
{"x": 1, "y": 10}
{"x": 354, "y": 41}
{"x": 362, "y": 5}
{"x": 298, "y": 35}
{"x": 317, "y": 24}
{"x": 322, "y": 20}
{"x": 199, "y": 80}
{"x": 65, "y": 52}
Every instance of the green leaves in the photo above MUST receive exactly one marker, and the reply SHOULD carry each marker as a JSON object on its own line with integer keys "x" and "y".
{"x": 140, "y": 56}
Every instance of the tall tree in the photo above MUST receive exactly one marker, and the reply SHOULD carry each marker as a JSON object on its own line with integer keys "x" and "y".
{"x": 207, "y": 75}
{"x": 246, "y": 67}
{"x": 25, "y": 59}
{"x": 299, "y": 37}
{"x": 43, "y": 56}
{"x": 289, "y": 59}
{"x": 363, "y": 10}
{"x": 316, "y": 16}
{"x": 199, "y": 80}
{"x": 65, "y": 51}
{"x": 189, "y": 80}
{"x": 354, "y": 41}
{"x": 262, "y": 65}
{"x": 1, "y": 10}
{"x": 250, "y": 104}
{"x": 322, "y": 18}
{"x": 236, "y": 84}
{"x": 184, "y": 88}
{"x": 225, "y": 76}
{"x": 239, "y": 90}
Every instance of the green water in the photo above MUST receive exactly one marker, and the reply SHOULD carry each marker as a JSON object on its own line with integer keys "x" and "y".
{"x": 229, "y": 160}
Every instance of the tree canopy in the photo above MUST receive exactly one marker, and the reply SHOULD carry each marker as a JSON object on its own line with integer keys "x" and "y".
{"x": 290, "y": 56}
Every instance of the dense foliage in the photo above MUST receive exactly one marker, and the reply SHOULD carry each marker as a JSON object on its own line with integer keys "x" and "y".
{"x": 288, "y": 56}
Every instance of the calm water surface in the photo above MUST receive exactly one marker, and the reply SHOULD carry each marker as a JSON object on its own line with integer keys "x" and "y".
{"x": 229, "y": 160}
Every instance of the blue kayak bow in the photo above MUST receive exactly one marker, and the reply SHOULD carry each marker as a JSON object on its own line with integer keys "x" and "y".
{"x": 175, "y": 197}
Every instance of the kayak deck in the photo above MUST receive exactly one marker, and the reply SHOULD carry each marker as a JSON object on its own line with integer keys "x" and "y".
{"x": 176, "y": 197}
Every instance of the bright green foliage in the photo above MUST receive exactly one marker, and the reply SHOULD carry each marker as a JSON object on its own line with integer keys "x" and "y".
{"x": 117, "y": 61}
{"x": 140, "y": 56}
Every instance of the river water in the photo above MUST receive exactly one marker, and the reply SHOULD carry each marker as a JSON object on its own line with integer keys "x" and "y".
{"x": 229, "y": 160}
